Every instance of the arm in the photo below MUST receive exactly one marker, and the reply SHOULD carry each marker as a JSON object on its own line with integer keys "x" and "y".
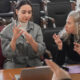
{"x": 37, "y": 44}
{"x": 6, "y": 48}
{"x": 16, "y": 34}
{"x": 8, "y": 41}
{"x": 31, "y": 41}
{"x": 59, "y": 73}
{"x": 60, "y": 50}
{"x": 41, "y": 44}
{"x": 77, "y": 47}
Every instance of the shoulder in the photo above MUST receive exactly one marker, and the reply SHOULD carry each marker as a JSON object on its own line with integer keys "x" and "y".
{"x": 34, "y": 25}
{"x": 7, "y": 29}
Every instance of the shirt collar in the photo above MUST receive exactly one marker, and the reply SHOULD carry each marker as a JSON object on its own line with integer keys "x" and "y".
{"x": 30, "y": 26}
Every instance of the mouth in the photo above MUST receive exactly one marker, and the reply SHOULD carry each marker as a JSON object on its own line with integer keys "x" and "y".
{"x": 25, "y": 20}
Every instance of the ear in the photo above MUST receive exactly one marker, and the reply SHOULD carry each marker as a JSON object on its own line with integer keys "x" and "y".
{"x": 16, "y": 11}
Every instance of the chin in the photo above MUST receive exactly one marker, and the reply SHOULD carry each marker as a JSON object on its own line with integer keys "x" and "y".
{"x": 68, "y": 32}
{"x": 24, "y": 21}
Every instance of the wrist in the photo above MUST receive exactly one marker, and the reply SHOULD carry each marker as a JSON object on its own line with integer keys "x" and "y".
{"x": 13, "y": 40}
{"x": 60, "y": 47}
{"x": 32, "y": 42}
{"x": 13, "y": 44}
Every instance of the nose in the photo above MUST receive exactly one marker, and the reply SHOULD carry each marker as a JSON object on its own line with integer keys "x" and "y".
{"x": 66, "y": 25}
{"x": 26, "y": 15}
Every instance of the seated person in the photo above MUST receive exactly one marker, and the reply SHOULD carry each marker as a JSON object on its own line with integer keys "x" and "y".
{"x": 22, "y": 40}
{"x": 58, "y": 73}
{"x": 68, "y": 40}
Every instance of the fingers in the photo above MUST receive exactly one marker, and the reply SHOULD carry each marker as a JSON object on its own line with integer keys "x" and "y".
{"x": 28, "y": 37}
{"x": 20, "y": 33}
{"x": 52, "y": 65}
{"x": 56, "y": 37}
{"x": 26, "y": 33}
{"x": 76, "y": 44}
{"x": 17, "y": 26}
{"x": 77, "y": 47}
{"x": 17, "y": 32}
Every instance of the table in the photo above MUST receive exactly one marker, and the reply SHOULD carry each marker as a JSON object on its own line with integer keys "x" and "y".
{"x": 8, "y": 74}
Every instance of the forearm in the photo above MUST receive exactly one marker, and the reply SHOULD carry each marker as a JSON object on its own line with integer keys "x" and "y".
{"x": 13, "y": 44}
{"x": 6, "y": 48}
{"x": 34, "y": 45}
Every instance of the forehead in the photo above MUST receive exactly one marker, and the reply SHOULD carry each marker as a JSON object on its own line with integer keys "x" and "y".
{"x": 25, "y": 7}
{"x": 70, "y": 19}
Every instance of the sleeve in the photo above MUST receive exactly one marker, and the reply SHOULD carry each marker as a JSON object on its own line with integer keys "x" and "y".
{"x": 60, "y": 55}
{"x": 41, "y": 44}
{"x": 6, "y": 48}
{"x": 5, "y": 42}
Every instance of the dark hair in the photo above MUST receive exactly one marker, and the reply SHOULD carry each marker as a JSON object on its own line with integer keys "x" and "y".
{"x": 19, "y": 4}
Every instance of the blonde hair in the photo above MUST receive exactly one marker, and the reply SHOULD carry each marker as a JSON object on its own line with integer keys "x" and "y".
{"x": 76, "y": 16}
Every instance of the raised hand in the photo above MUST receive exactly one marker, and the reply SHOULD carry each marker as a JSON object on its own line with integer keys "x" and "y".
{"x": 58, "y": 73}
{"x": 17, "y": 32}
{"x": 77, "y": 47}
{"x": 58, "y": 41}
{"x": 31, "y": 41}
{"x": 28, "y": 37}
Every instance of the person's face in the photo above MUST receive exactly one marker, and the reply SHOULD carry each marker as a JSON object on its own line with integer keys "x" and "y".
{"x": 70, "y": 25}
{"x": 24, "y": 13}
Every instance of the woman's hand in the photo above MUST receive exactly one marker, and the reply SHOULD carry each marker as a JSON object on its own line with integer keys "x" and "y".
{"x": 58, "y": 41}
{"x": 17, "y": 32}
{"x": 59, "y": 73}
{"x": 28, "y": 37}
{"x": 77, "y": 47}
{"x": 31, "y": 41}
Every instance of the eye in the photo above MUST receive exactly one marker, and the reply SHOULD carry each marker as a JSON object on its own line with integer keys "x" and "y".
{"x": 30, "y": 12}
{"x": 23, "y": 12}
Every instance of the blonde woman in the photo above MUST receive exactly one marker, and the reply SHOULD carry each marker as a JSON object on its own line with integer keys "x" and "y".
{"x": 68, "y": 40}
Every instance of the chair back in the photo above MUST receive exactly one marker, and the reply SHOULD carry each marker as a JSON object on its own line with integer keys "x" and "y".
{"x": 59, "y": 11}
{"x": 2, "y": 58}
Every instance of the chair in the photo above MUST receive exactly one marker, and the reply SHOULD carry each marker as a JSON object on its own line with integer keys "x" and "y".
{"x": 36, "y": 13}
{"x": 59, "y": 0}
{"x": 2, "y": 58}
{"x": 6, "y": 10}
{"x": 47, "y": 36}
{"x": 59, "y": 11}
{"x": 35, "y": 1}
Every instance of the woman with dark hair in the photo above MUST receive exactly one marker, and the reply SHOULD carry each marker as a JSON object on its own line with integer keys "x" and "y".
{"x": 68, "y": 40}
{"x": 22, "y": 40}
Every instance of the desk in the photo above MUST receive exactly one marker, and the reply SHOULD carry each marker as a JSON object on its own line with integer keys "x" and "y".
{"x": 9, "y": 74}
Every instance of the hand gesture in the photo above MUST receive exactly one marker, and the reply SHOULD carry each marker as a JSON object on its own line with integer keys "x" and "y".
{"x": 58, "y": 41}
{"x": 77, "y": 47}
{"x": 58, "y": 73}
{"x": 28, "y": 37}
{"x": 17, "y": 32}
